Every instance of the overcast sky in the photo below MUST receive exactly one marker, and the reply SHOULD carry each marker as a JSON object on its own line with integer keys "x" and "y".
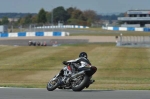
{"x": 100, "y": 6}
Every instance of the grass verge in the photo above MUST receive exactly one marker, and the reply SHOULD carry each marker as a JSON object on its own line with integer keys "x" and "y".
{"x": 119, "y": 68}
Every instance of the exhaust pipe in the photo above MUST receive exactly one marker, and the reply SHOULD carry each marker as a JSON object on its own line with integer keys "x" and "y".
{"x": 77, "y": 74}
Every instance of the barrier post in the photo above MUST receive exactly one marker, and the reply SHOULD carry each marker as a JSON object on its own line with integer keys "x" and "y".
{"x": 121, "y": 39}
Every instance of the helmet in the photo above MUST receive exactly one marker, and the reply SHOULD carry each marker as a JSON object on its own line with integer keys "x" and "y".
{"x": 83, "y": 54}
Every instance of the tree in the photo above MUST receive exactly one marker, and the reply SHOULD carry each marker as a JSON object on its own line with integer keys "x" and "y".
{"x": 76, "y": 14}
{"x": 70, "y": 11}
{"x": 34, "y": 19}
{"x": 42, "y": 16}
{"x": 73, "y": 21}
{"x": 82, "y": 17}
{"x": 77, "y": 17}
{"x": 60, "y": 14}
{"x": 90, "y": 15}
{"x": 28, "y": 19}
{"x": 5, "y": 20}
{"x": 48, "y": 17}
{"x": 21, "y": 21}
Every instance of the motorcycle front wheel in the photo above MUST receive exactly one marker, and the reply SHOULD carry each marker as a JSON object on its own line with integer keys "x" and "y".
{"x": 52, "y": 84}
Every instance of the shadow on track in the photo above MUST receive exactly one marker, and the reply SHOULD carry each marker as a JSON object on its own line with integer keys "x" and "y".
{"x": 69, "y": 90}
{"x": 95, "y": 90}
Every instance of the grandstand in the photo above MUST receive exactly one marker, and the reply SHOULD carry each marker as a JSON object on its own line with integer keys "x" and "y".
{"x": 136, "y": 18}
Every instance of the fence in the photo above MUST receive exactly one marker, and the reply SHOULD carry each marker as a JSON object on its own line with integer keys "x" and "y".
{"x": 61, "y": 26}
{"x": 127, "y": 29}
{"x": 27, "y": 34}
{"x": 133, "y": 41}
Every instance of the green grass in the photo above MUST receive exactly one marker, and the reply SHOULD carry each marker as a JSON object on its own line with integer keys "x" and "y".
{"x": 119, "y": 68}
{"x": 102, "y": 32}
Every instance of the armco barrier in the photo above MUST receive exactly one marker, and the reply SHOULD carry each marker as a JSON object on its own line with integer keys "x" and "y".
{"x": 12, "y": 34}
{"x": 48, "y": 33}
{"x": 127, "y": 29}
{"x": 56, "y": 33}
{"x": 63, "y": 26}
{"x": 33, "y": 34}
{"x": 30, "y": 34}
{"x": 21, "y": 34}
{"x": 122, "y": 28}
{"x": 110, "y": 28}
{"x": 39, "y": 33}
{"x": 4, "y": 34}
{"x": 147, "y": 29}
{"x": 116, "y": 28}
{"x": 139, "y": 29}
{"x": 130, "y": 29}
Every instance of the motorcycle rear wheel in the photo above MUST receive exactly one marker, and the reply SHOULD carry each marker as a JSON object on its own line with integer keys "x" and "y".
{"x": 80, "y": 84}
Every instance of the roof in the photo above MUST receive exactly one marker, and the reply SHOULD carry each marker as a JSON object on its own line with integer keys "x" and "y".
{"x": 140, "y": 10}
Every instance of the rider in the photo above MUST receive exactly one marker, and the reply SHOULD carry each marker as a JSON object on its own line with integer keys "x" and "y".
{"x": 83, "y": 57}
{"x": 74, "y": 64}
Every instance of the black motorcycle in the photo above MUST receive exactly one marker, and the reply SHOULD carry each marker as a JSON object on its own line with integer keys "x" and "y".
{"x": 77, "y": 82}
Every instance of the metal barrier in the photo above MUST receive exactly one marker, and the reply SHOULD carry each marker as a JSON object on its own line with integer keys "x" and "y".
{"x": 127, "y": 29}
{"x": 133, "y": 41}
{"x": 27, "y": 34}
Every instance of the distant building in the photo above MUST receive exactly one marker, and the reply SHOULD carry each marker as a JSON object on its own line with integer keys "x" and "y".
{"x": 3, "y": 29}
{"x": 135, "y": 18}
{"x": 11, "y": 19}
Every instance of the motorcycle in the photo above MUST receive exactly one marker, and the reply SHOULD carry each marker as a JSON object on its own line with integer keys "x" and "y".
{"x": 77, "y": 82}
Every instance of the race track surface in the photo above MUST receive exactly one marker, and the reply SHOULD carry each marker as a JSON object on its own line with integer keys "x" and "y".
{"x": 29, "y": 93}
{"x": 23, "y": 41}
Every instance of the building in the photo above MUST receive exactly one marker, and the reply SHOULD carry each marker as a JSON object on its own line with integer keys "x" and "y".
{"x": 135, "y": 18}
{"x": 11, "y": 19}
{"x": 3, "y": 29}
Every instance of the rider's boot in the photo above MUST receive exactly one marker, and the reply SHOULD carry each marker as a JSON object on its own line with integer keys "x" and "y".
{"x": 90, "y": 82}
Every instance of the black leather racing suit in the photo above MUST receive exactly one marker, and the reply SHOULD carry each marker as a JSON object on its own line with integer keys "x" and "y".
{"x": 75, "y": 64}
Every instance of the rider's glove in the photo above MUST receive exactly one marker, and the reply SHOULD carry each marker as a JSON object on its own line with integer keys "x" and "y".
{"x": 65, "y": 62}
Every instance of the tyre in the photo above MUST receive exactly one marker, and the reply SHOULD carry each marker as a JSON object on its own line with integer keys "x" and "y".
{"x": 52, "y": 85}
{"x": 34, "y": 43}
{"x": 80, "y": 83}
{"x": 38, "y": 43}
{"x": 30, "y": 43}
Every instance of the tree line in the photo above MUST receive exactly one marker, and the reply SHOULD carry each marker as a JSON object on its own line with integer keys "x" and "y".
{"x": 69, "y": 16}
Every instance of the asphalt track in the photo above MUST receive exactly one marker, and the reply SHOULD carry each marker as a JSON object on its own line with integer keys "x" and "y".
{"x": 31, "y": 93}
{"x": 23, "y": 41}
